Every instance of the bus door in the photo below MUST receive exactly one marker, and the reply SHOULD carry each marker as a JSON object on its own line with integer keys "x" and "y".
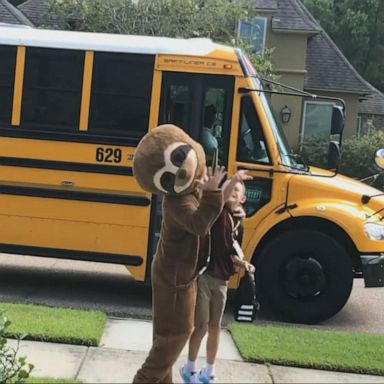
{"x": 255, "y": 152}
{"x": 200, "y": 104}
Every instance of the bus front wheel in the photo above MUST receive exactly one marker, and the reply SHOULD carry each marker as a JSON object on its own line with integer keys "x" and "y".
{"x": 304, "y": 276}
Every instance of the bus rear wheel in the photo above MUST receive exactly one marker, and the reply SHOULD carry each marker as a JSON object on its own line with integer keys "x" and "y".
{"x": 304, "y": 276}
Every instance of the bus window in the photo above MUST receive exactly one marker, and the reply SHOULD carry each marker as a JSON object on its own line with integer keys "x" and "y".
{"x": 177, "y": 105}
{"x": 212, "y": 136}
{"x": 7, "y": 76}
{"x": 52, "y": 89}
{"x": 202, "y": 106}
{"x": 121, "y": 94}
{"x": 251, "y": 146}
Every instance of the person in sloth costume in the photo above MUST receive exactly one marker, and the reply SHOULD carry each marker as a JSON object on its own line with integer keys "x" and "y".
{"x": 169, "y": 162}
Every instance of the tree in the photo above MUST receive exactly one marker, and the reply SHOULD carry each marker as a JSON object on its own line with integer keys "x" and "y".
{"x": 357, "y": 27}
{"x": 216, "y": 19}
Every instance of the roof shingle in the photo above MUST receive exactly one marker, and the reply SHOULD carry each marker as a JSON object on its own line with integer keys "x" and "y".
{"x": 265, "y": 4}
{"x": 10, "y": 14}
{"x": 374, "y": 104}
{"x": 327, "y": 67}
{"x": 291, "y": 16}
{"x": 37, "y": 11}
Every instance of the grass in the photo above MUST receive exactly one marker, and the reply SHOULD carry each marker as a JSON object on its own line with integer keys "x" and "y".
{"x": 60, "y": 325}
{"x": 50, "y": 380}
{"x": 337, "y": 351}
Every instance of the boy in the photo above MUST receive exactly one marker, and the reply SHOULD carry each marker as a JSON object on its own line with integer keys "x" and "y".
{"x": 212, "y": 284}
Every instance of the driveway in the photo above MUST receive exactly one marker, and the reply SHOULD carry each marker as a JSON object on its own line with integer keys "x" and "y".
{"x": 107, "y": 287}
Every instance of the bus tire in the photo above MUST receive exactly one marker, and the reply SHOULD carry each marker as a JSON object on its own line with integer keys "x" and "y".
{"x": 304, "y": 276}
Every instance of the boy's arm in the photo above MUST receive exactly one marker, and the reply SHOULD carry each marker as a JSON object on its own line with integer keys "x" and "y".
{"x": 238, "y": 262}
{"x": 240, "y": 175}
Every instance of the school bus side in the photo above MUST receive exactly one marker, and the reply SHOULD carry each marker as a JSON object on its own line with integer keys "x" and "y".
{"x": 73, "y": 106}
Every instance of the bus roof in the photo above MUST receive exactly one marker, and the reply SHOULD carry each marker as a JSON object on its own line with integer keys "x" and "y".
{"x": 11, "y": 35}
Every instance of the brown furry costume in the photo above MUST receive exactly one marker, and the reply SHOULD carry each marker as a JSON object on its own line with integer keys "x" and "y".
{"x": 169, "y": 162}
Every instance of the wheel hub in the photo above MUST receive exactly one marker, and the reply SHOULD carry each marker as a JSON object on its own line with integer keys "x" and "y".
{"x": 304, "y": 277}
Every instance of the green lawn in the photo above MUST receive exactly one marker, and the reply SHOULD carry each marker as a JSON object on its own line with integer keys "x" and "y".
{"x": 338, "y": 351}
{"x": 60, "y": 325}
{"x": 50, "y": 380}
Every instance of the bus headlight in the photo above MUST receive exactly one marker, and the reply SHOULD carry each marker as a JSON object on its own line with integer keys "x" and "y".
{"x": 374, "y": 231}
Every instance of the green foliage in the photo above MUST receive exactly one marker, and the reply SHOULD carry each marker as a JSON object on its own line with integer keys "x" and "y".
{"x": 13, "y": 368}
{"x": 215, "y": 19}
{"x": 358, "y": 153}
{"x": 314, "y": 151}
{"x": 357, "y": 27}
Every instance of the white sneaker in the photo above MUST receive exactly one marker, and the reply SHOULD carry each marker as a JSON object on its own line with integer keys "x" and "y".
{"x": 205, "y": 378}
{"x": 188, "y": 376}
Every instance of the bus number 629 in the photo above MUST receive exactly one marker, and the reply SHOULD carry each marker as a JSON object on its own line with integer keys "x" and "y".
{"x": 108, "y": 155}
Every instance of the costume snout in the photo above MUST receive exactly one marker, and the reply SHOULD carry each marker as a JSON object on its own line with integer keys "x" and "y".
{"x": 179, "y": 170}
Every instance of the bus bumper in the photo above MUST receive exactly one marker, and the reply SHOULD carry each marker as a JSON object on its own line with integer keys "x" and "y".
{"x": 373, "y": 270}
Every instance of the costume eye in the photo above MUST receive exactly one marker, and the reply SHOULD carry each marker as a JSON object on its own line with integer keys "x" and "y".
{"x": 179, "y": 155}
{"x": 167, "y": 181}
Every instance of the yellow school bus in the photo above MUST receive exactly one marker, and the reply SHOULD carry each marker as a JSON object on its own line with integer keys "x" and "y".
{"x": 73, "y": 107}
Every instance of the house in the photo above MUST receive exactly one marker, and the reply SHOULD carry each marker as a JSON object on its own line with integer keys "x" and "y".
{"x": 304, "y": 57}
{"x": 371, "y": 112}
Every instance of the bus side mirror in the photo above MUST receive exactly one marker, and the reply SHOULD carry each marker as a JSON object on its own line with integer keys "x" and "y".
{"x": 334, "y": 155}
{"x": 337, "y": 123}
{"x": 379, "y": 158}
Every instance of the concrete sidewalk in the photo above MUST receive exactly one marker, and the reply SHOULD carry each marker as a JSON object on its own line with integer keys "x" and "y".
{"x": 125, "y": 344}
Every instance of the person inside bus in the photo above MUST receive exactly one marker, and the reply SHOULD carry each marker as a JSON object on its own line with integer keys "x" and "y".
{"x": 208, "y": 139}
{"x": 213, "y": 282}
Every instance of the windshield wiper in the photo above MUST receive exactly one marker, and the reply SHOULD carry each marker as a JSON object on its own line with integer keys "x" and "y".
{"x": 299, "y": 163}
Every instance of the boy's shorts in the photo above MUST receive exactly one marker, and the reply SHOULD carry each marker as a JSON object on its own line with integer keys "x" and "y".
{"x": 211, "y": 299}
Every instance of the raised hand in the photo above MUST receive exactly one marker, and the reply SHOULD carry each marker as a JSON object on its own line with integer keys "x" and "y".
{"x": 242, "y": 174}
{"x": 214, "y": 178}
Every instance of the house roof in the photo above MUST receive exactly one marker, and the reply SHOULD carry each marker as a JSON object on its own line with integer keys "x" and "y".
{"x": 374, "y": 104}
{"x": 327, "y": 67}
{"x": 35, "y": 10}
{"x": 291, "y": 16}
{"x": 270, "y": 5}
{"x": 10, "y": 14}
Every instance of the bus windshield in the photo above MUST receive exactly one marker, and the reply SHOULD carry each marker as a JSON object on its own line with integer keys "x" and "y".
{"x": 288, "y": 158}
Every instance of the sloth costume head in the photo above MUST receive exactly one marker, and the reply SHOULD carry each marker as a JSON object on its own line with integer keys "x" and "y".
{"x": 168, "y": 161}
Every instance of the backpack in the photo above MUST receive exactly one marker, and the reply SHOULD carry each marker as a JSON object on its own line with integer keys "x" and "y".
{"x": 246, "y": 304}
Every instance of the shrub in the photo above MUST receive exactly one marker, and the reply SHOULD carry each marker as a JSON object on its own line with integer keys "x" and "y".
{"x": 13, "y": 369}
{"x": 358, "y": 154}
{"x": 357, "y": 159}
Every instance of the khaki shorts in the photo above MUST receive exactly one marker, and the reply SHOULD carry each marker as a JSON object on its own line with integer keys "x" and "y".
{"x": 211, "y": 299}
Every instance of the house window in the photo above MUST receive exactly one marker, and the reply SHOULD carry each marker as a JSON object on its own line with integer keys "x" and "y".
{"x": 317, "y": 120}
{"x": 253, "y": 32}
{"x": 358, "y": 126}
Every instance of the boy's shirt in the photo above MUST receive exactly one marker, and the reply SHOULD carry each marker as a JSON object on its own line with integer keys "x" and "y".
{"x": 223, "y": 232}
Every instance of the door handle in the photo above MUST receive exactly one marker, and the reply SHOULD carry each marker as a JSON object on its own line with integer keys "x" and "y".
{"x": 67, "y": 183}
